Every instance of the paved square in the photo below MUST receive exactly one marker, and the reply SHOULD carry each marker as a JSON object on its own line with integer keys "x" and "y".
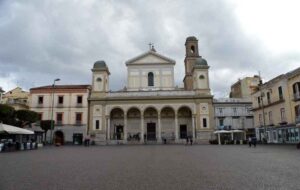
{"x": 152, "y": 167}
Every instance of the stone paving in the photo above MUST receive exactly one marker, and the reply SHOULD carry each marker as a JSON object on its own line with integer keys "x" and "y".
{"x": 152, "y": 167}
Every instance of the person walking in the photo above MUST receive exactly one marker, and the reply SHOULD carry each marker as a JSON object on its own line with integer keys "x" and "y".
{"x": 191, "y": 141}
{"x": 249, "y": 141}
{"x": 254, "y": 141}
{"x": 187, "y": 140}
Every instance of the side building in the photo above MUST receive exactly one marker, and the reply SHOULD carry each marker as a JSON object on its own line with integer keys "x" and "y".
{"x": 67, "y": 105}
{"x": 243, "y": 88}
{"x": 276, "y": 108}
{"x": 16, "y": 98}
{"x": 234, "y": 114}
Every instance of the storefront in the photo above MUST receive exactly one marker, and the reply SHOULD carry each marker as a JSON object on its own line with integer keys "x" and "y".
{"x": 279, "y": 134}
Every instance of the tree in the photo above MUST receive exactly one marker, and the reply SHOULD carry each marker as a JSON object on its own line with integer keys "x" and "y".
{"x": 26, "y": 117}
{"x": 7, "y": 114}
{"x": 46, "y": 125}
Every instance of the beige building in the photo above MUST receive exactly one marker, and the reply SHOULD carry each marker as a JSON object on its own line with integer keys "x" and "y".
{"x": 276, "y": 108}
{"x": 151, "y": 108}
{"x": 16, "y": 98}
{"x": 69, "y": 109}
{"x": 243, "y": 88}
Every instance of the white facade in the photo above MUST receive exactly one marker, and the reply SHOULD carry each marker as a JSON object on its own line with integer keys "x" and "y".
{"x": 233, "y": 113}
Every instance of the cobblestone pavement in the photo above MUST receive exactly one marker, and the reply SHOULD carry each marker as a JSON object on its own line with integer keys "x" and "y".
{"x": 152, "y": 167}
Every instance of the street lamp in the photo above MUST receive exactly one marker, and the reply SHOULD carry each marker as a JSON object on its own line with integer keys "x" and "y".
{"x": 52, "y": 123}
{"x": 263, "y": 113}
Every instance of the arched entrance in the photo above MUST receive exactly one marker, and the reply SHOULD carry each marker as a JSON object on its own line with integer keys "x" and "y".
{"x": 134, "y": 124}
{"x": 167, "y": 115}
{"x": 185, "y": 123}
{"x": 117, "y": 124}
{"x": 59, "y": 138}
{"x": 151, "y": 122}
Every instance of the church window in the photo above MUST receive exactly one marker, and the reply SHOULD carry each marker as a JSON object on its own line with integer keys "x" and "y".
{"x": 201, "y": 77}
{"x": 192, "y": 49}
{"x": 204, "y": 122}
{"x": 99, "y": 79}
{"x": 150, "y": 79}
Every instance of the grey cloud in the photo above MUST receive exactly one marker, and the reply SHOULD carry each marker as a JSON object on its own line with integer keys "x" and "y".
{"x": 43, "y": 40}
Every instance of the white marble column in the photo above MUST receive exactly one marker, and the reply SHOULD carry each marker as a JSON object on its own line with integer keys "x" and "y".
{"x": 159, "y": 129}
{"x": 125, "y": 127}
{"x": 176, "y": 127}
{"x": 193, "y": 127}
{"x": 142, "y": 127}
{"x": 108, "y": 128}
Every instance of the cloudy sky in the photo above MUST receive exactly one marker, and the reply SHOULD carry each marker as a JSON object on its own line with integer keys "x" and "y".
{"x": 44, "y": 40}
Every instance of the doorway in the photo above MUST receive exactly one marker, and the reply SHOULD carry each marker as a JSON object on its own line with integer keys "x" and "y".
{"x": 183, "y": 131}
{"x": 59, "y": 138}
{"x": 151, "y": 131}
{"x": 119, "y": 132}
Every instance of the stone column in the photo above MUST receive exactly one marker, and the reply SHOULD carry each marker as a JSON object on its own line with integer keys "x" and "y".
{"x": 108, "y": 128}
{"x": 142, "y": 127}
{"x": 219, "y": 139}
{"x": 193, "y": 127}
{"x": 159, "y": 129}
{"x": 176, "y": 127}
{"x": 125, "y": 127}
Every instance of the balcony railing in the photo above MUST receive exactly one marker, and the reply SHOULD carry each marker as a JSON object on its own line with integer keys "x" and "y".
{"x": 297, "y": 96}
{"x": 298, "y": 119}
{"x": 78, "y": 123}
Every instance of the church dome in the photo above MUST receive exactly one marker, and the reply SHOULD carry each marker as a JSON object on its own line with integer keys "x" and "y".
{"x": 191, "y": 38}
{"x": 200, "y": 62}
{"x": 99, "y": 64}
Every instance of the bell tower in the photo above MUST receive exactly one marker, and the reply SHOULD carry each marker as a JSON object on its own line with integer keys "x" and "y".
{"x": 191, "y": 54}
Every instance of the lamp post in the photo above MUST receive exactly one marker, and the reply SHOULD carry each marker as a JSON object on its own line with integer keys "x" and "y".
{"x": 52, "y": 123}
{"x": 263, "y": 113}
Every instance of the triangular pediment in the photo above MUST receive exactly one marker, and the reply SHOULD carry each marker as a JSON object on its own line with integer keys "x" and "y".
{"x": 150, "y": 57}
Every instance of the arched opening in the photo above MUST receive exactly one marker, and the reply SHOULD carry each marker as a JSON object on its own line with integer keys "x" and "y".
{"x": 117, "y": 124}
{"x": 296, "y": 90}
{"x": 150, "y": 123}
{"x": 192, "y": 49}
{"x": 185, "y": 122}
{"x": 167, "y": 115}
{"x": 201, "y": 77}
{"x": 134, "y": 124}
{"x": 150, "y": 79}
{"x": 59, "y": 138}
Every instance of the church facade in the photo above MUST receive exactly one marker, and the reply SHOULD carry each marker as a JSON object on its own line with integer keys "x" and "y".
{"x": 151, "y": 109}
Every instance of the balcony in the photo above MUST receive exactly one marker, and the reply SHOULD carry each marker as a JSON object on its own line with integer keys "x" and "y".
{"x": 78, "y": 123}
{"x": 297, "y": 119}
{"x": 59, "y": 123}
{"x": 297, "y": 96}
{"x": 79, "y": 105}
{"x": 60, "y": 105}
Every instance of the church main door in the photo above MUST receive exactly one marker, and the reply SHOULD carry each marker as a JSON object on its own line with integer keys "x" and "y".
{"x": 151, "y": 131}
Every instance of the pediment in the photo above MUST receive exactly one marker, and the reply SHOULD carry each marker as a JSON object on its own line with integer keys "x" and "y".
{"x": 150, "y": 57}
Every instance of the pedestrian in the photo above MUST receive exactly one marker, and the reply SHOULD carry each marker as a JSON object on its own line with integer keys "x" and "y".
{"x": 191, "y": 141}
{"x": 254, "y": 141}
{"x": 249, "y": 141}
{"x": 187, "y": 140}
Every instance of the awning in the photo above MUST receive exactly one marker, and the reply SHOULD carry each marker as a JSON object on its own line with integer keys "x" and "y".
{"x": 14, "y": 130}
{"x": 221, "y": 131}
{"x": 237, "y": 131}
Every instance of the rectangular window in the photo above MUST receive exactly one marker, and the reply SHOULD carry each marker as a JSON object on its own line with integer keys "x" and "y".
{"x": 258, "y": 100}
{"x": 97, "y": 124}
{"x": 221, "y": 122}
{"x": 280, "y": 94}
{"x": 40, "y": 100}
{"x": 220, "y": 111}
{"x": 59, "y": 118}
{"x": 282, "y": 115}
{"x": 40, "y": 116}
{"x": 270, "y": 118}
{"x": 234, "y": 111}
{"x": 79, "y": 99}
{"x": 268, "y": 97}
{"x": 78, "y": 118}
{"x": 260, "y": 119}
{"x": 60, "y": 99}
{"x": 204, "y": 122}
